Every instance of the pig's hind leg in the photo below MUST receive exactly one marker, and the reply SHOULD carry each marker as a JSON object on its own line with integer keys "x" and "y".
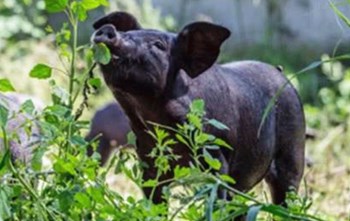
{"x": 286, "y": 170}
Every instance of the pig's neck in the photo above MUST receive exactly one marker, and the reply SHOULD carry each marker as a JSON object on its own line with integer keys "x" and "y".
{"x": 167, "y": 110}
{"x": 142, "y": 110}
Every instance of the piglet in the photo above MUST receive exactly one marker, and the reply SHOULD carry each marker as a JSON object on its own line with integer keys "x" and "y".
{"x": 110, "y": 126}
{"x": 155, "y": 76}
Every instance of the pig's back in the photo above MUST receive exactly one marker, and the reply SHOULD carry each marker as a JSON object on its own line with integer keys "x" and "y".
{"x": 256, "y": 74}
{"x": 251, "y": 86}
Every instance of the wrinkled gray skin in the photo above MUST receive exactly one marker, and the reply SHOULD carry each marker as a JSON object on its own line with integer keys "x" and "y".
{"x": 110, "y": 126}
{"x": 21, "y": 143}
{"x": 155, "y": 75}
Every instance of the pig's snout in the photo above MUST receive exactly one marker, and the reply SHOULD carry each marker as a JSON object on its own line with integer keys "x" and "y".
{"x": 105, "y": 34}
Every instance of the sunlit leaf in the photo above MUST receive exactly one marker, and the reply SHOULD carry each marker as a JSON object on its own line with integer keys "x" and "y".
{"x": 197, "y": 106}
{"x": 101, "y": 53}
{"x": 212, "y": 162}
{"x": 80, "y": 10}
{"x": 180, "y": 172}
{"x": 90, "y": 4}
{"x": 131, "y": 138}
{"x": 55, "y": 5}
{"x": 95, "y": 82}
{"x": 227, "y": 179}
{"x": 150, "y": 183}
{"x": 83, "y": 199}
{"x": 222, "y": 143}
{"x": 5, "y": 85}
{"x": 41, "y": 71}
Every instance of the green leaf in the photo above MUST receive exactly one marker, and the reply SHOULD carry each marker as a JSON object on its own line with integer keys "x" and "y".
{"x": 80, "y": 10}
{"x": 83, "y": 199}
{"x": 197, "y": 106}
{"x": 131, "y": 138}
{"x": 195, "y": 120}
{"x": 5, "y": 207}
{"x": 28, "y": 107}
{"x": 227, "y": 179}
{"x": 202, "y": 138}
{"x": 101, "y": 53}
{"x": 96, "y": 194}
{"x": 150, "y": 183}
{"x": 5, "y": 158}
{"x": 212, "y": 162}
{"x": 253, "y": 212}
{"x": 36, "y": 161}
{"x": 65, "y": 200}
{"x": 57, "y": 110}
{"x": 180, "y": 172}
{"x": 64, "y": 167}
{"x": 218, "y": 124}
{"x": 78, "y": 140}
{"x": 55, "y": 5}
{"x": 95, "y": 82}
{"x": 90, "y": 173}
{"x": 90, "y": 4}
{"x": 5, "y": 85}
{"x": 4, "y": 114}
{"x": 41, "y": 71}
{"x": 222, "y": 143}
{"x": 181, "y": 139}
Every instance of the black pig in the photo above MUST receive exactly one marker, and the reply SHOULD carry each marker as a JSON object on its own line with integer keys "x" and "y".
{"x": 111, "y": 127}
{"x": 155, "y": 75}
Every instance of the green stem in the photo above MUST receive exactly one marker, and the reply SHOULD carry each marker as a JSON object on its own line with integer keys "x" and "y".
{"x": 80, "y": 86}
{"x": 154, "y": 188}
{"x": 74, "y": 23}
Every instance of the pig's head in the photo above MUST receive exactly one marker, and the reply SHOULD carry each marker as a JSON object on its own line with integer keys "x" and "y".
{"x": 146, "y": 61}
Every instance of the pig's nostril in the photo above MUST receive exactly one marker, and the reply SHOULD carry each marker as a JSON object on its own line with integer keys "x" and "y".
{"x": 106, "y": 34}
{"x": 110, "y": 35}
{"x": 99, "y": 33}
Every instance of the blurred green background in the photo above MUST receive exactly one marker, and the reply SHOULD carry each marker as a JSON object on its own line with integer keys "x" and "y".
{"x": 290, "y": 33}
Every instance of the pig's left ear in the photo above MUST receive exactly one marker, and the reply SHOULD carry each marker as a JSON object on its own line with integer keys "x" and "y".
{"x": 198, "y": 46}
{"x": 122, "y": 21}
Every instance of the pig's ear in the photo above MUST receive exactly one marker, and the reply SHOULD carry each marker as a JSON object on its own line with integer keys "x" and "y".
{"x": 198, "y": 46}
{"x": 122, "y": 21}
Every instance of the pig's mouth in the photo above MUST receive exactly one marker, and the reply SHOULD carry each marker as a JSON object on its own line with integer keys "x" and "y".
{"x": 123, "y": 60}
{"x": 120, "y": 49}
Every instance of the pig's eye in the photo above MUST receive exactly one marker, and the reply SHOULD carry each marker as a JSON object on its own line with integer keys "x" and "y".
{"x": 160, "y": 45}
